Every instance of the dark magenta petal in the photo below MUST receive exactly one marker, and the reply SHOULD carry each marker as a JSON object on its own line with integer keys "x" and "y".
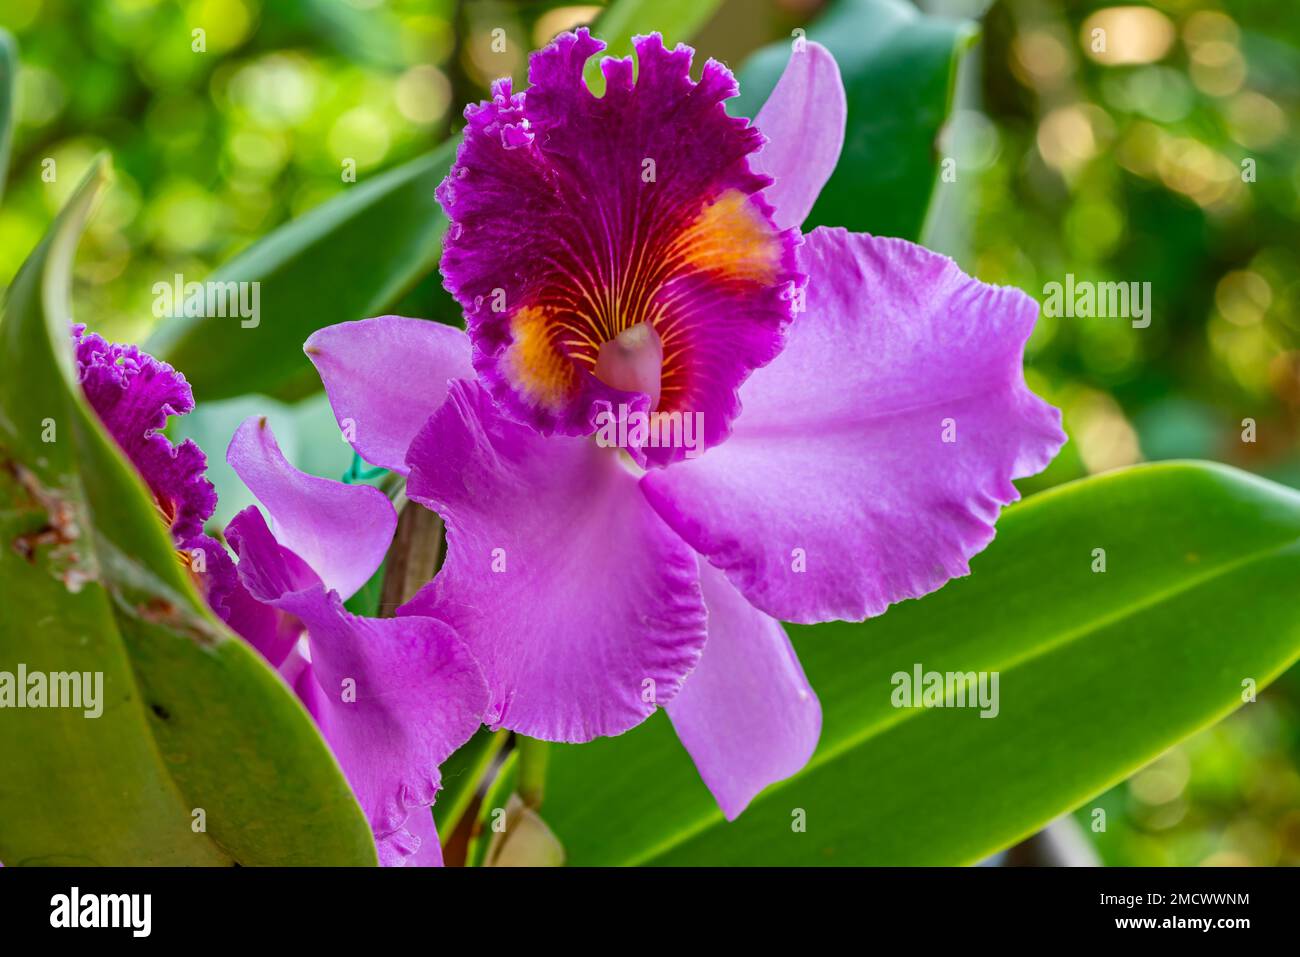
{"x": 134, "y": 394}
{"x": 582, "y": 606}
{"x": 575, "y": 218}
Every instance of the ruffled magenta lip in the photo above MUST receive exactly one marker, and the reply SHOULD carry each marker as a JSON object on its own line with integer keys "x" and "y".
{"x": 575, "y": 218}
{"x": 134, "y": 394}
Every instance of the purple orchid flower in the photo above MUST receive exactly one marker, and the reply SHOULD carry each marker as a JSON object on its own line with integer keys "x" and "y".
{"x": 862, "y": 401}
{"x": 392, "y": 697}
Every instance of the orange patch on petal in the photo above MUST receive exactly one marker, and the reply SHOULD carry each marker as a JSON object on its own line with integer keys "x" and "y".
{"x": 536, "y": 367}
{"x": 731, "y": 239}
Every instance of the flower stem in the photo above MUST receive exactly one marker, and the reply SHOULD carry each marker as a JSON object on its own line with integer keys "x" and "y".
{"x": 534, "y": 755}
{"x": 413, "y": 558}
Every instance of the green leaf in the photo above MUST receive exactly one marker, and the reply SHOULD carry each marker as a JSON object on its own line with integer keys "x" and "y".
{"x": 348, "y": 258}
{"x": 899, "y": 67}
{"x": 201, "y": 754}
{"x": 8, "y": 79}
{"x": 1099, "y": 674}
{"x": 677, "y": 20}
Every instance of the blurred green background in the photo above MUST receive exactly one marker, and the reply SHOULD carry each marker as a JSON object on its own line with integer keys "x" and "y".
{"x": 1122, "y": 165}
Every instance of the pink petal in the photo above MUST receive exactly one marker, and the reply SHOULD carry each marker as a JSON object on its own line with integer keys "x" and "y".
{"x": 421, "y": 825}
{"x": 384, "y": 377}
{"x": 804, "y": 121}
{"x": 583, "y": 608}
{"x": 341, "y": 531}
{"x": 746, "y": 713}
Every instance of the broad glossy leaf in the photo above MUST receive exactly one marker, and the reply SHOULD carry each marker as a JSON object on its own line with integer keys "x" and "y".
{"x": 346, "y": 259}
{"x": 195, "y": 729}
{"x": 899, "y": 66}
{"x": 1099, "y": 672}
